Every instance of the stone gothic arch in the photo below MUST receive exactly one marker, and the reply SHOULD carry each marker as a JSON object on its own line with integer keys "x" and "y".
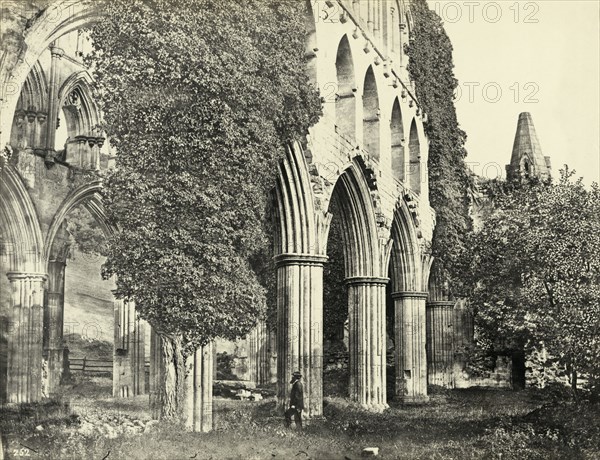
{"x": 20, "y": 224}
{"x": 397, "y": 141}
{"x": 371, "y": 115}
{"x": 414, "y": 158}
{"x": 21, "y": 311}
{"x": 311, "y": 42}
{"x": 129, "y": 356}
{"x": 409, "y": 269}
{"x": 364, "y": 251}
{"x": 58, "y": 19}
{"x": 88, "y": 195}
{"x": 345, "y": 103}
{"x": 300, "y": 251}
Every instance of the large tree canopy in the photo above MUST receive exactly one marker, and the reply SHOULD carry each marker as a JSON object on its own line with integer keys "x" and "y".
{"x": 431, "y": 67}
{"x": 198, "y": 97}
{"x": 535, "y": 273}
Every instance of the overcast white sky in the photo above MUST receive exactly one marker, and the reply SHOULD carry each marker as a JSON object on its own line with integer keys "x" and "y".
{"x": 541, "y": 57}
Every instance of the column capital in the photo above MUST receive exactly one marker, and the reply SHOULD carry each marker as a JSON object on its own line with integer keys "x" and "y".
{"x": 56, "y": 51}
{"x": 299, "y": 259}
{"x": 410, "y": 294}
{"x": 13, "y": 276}
{"x": 441, "y": 303}
{"x": 377, "y": 280}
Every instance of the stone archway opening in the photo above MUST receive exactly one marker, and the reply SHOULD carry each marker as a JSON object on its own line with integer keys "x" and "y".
{"x": 364, "y": 290}
{"x": 311, "y": 42}
{"x": 371, "y": 115}
{"x": 414, "y": 158}
{"x": 397, "y": 142}
{"x": 121, "y": 339}
{"x": 345, "y": 103}
{"x": 336, "y": 371}
{"x": 408, "y": 272}
{"x": 78, "y": 307}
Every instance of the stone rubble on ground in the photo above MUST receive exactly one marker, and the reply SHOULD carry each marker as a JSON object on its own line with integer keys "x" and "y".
{"x": 112, "y": 426}
{"x": 370, "y": 452}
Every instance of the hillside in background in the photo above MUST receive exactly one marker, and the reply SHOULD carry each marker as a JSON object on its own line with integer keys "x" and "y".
{"x": 88, "y": 303}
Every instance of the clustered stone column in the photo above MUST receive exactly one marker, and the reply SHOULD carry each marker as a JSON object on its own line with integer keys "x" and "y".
{"x": 25, "y": 335}
{"x": 129, "y": 356}
{"x": 259, "y": 354}
{"x": 367, "y": 341}
{"x": 300, "y": 327}
{"x": 411, "y": 356}
{"x": 54, "y": 323}
{"x": 54, "y": 308}
{"x": 440, "y": 340}
{"x": 157, "y": 369}
{"x": 56, "y": 54}
{"x": 199, "y": 389}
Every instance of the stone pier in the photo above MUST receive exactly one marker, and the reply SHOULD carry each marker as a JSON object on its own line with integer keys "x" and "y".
{"x": 54, "y": 323}
{"x": 411, "y": 357}
{"x": 440, "y": 339}
{"x": 300, "y": 327}
{"x": 54, "y": 309}
{"x": 129, "y": 356}
{"x": 260, "y": 355}
{"x": 157, "y": 369}
{"x": 199, "y": 390}
{"x": 25, "y": 335}
{"x": 367, "y": 341}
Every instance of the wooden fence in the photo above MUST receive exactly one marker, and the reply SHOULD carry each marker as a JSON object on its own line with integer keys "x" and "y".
{"x": 95, "y": 366}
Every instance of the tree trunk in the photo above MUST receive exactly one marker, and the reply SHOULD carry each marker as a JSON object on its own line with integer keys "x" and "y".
{"x": 185, "y": 384}
{"x": 172, "y": 389}
{"x": 574, "y": 383}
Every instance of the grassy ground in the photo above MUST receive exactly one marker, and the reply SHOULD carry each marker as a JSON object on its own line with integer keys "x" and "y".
{"x": 462, "y": 424}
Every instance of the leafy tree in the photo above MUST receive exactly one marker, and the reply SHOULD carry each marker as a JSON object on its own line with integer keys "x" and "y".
{"x": 198, "y": 98}
{"x": 535, "y": 274}
{"x": 431, "y": 68}
{"x": 86, "y": 233}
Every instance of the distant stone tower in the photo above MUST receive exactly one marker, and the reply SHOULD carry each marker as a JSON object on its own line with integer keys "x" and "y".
{"x": 527, "y": 160}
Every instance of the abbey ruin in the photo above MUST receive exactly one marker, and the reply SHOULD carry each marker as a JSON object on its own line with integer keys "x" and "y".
{"x": 368, "y": 154}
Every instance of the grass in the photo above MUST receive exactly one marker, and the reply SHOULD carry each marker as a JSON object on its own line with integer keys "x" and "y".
{"x": 458, "y": 424}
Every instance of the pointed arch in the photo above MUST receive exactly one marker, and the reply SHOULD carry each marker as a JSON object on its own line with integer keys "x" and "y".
{"x": 299, "y": 227}
{"x": 414, "y": 158}
{"x": 87, "y": 195}
{"x": 345, "y": 105}
{"x": 371, "y": 115}
{"x": 397, "y": 141}
{"x": 359, "y": 227}
{"x": 34, "y": 94}
{"x": 311, "y": 42}
{"x": 77, "y": 102}
{"x": 20, "y": 224}
{"x": 58, "y": 19}
{"x": 405, "y": 266}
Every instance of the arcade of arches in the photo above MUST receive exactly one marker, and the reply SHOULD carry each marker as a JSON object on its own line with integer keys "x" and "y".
{"x": 369, "y": 149}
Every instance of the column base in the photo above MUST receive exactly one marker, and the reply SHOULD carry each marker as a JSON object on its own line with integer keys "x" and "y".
{"x": 375, "y": 407}
{"x": 422, "y": 399}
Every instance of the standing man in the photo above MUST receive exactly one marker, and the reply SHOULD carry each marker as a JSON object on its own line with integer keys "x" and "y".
{"x": 296, "y": 401}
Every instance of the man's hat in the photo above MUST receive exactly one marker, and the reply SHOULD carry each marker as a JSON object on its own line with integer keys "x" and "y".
{"x": 297, "y": 374}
